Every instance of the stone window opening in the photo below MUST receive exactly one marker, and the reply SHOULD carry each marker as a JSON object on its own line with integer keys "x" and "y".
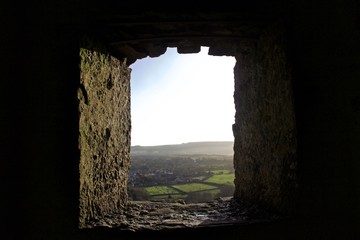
{"x": 182, "y": 121}
{"x": 264, "y": 145}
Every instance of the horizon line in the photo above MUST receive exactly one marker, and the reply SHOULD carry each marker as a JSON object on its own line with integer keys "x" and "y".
{"x": 210, "y": 141}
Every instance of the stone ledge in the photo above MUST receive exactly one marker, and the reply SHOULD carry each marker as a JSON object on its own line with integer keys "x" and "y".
{"x": 142, "y": 215}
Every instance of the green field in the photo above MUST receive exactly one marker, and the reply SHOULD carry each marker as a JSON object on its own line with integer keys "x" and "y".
{"x": 209, "y": 187}
{"x": 226, "y": 178}
{"x": 161, "y": 190}
{"x": 171, "y": 196}
{"x": 165, "y": 192}
{"x": 193, "y": 178}
{"x": 193, "y": 187}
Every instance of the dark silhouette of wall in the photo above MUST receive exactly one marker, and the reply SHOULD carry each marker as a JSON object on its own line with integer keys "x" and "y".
{"x": 265, "y": 159}
{"x": 40, "y": 124}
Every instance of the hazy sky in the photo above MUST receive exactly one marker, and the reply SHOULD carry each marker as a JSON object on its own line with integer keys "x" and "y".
{"x": 180, "y": 98}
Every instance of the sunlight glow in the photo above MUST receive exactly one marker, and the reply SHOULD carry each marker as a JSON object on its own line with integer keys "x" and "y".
{"x": 180, "y": 98}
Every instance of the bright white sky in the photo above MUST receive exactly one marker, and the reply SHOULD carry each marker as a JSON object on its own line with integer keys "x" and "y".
{"x": 179, "y": 98}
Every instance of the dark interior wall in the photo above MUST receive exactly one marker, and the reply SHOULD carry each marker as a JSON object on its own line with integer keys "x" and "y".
{"x": 323, "y": 42}
{"x": 325, "y": 53}
{"x": 41, "y": 155}
{"x": 50, "y": 157}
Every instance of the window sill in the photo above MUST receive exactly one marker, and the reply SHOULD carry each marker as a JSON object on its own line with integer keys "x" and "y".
{"x": 145, "y": 215}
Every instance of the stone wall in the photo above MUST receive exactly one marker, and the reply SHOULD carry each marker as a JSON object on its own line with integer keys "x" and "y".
{"x": 104, "y": 134}
{"x": 40, "y": 156}
{"x": 264, "y": 129}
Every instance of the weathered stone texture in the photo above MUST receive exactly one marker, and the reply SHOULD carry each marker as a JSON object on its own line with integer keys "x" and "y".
{"x": 264, "y": 129}
{"x": 104, "y": 134}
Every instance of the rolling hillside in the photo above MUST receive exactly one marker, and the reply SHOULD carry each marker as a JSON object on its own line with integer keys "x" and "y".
{"x": 211, "y": 148}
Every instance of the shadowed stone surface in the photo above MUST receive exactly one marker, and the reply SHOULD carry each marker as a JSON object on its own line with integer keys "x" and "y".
{"x": 265, "y": 145}
{"x": 140, "y": 215}
{"x": 40, "y": 154}
{"x": 104, "y": 140}
{"x": 264, "y": 129}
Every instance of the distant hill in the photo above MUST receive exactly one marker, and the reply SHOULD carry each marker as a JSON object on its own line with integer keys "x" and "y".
{"x": 212, "y": 148}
